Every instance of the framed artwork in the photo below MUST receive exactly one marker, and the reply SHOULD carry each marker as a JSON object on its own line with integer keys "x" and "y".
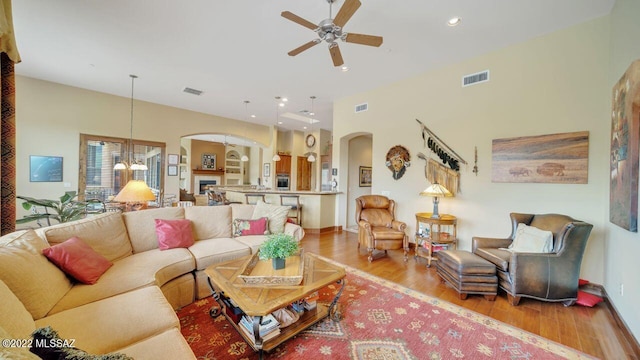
{"x": 45, "y": 168}
{"x": 266, "y": 170}
{"x": 555, "y": 158}
{"x": 173, "y": 159}
{"x": 365, "y": 176}
{"x": 173, "y": 170}
{"x": 334, "y": 171}
{"x": 625, "y": 143}
{"x": 209, "y": 161}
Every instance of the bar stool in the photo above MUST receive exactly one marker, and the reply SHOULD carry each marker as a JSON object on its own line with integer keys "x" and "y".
{"x": 256, "y": 198}
{"x": 294, "y": 202}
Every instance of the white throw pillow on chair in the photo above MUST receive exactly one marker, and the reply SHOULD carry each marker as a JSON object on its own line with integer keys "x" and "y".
{"x": 531, "y": 239}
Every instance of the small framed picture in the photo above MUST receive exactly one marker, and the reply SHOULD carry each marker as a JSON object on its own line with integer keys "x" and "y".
{"x": 365, "y": 176}
{"x": 266, "y": 171}
{"x": 334, "y": 171}
{"x": 173, "y": 159}
{"x": 45, "y": 168}
{"x": 173, "y": 170}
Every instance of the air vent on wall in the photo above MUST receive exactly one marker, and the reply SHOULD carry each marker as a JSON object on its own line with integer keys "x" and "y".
{"x": 476, "y": 78}
{"x": 362, "y": 107}
{"x": 189, "y": 90}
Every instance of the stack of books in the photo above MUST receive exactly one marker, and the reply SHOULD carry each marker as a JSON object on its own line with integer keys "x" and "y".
{"x": 311, "y": 301}
{"x": 435, "y": 247}
{"x": 269, "y": 327}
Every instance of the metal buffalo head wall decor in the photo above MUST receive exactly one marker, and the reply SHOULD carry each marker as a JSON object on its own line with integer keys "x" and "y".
{"x": 398, "y": 160}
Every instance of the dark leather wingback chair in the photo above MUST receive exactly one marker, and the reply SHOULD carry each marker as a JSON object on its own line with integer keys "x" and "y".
{"x": 377, "y": 227}
{"x": 544, "y": 276}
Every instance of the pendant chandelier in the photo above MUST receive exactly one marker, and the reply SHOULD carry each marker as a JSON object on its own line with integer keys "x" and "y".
{"x": 131, "y": 164}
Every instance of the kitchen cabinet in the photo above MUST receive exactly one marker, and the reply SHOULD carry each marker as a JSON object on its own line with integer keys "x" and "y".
{"x": 284, "y": 165}
{"x": 304, "y": 174}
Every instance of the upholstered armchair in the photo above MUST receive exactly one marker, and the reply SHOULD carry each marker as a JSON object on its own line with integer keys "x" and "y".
{"x": 551, "y": 276}
{"x": 377, "y": 227}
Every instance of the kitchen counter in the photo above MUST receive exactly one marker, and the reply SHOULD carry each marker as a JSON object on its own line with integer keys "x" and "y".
{"x": 318, "y": 207}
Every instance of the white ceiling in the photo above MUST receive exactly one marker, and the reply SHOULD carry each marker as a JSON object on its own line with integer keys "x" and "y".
{"x": 236, "y": 50}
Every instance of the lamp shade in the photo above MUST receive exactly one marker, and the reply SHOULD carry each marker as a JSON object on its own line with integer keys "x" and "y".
{"x": 436, "y": 190}
{"x": 135, "y": 191}
{"x": 276, "y": 157}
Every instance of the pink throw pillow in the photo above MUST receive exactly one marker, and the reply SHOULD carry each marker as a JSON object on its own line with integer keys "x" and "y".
{"x": 78, "y": 260}
{"x": 587, "y": 299}
{"x": 174, "y": 233}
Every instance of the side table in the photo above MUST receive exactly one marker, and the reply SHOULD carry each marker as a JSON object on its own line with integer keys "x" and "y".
{"x": 438, "y": 234}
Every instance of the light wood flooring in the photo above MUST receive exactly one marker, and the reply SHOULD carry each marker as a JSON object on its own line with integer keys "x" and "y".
{"x": 590, "y": 330}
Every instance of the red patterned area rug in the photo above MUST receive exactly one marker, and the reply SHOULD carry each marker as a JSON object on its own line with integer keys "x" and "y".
{"x": 382, "y": 321}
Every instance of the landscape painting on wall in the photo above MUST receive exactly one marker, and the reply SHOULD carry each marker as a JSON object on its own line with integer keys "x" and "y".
{"x": 625, "y": 125}
{"x": 556, "y": 158}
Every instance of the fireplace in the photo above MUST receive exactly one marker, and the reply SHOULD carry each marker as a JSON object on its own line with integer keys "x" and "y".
{"x": 204, "y": 183}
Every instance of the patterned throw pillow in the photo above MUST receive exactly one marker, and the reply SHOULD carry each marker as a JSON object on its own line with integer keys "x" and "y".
{"x": 251, "y": 227}
{"x": 48, "y": 345}
{"x": 276, "y": 214}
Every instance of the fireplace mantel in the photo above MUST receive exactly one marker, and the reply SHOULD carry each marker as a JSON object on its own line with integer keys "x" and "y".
{"x": 207, "y": 172}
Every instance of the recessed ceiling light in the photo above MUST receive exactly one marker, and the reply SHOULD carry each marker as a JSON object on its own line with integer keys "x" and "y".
{"x": 285, "y": 99}
{"x": 281, "y": 104}
{"x": 253, "y": 115}
{"x": 344, "y": 68}
{"x": 279, "y": 122}
{"x": 304, "y": 127}
{"x": 454, "y": 21}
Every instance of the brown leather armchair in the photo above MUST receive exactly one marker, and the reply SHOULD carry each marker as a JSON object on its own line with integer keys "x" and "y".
{"x": 377, "y": 227}
{"x": 544, "y": 276}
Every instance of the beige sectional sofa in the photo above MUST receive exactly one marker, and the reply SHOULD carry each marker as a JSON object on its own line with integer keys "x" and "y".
{"x": 131, "y": 309}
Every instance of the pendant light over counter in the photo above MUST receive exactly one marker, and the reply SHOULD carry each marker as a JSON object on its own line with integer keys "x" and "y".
{"x": 276, "y": 157}
{"x": 311, "y": 157}
{"x": 244, "y": 157}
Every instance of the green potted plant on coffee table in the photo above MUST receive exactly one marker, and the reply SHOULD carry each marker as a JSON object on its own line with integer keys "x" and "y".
{"x": 278, "y": 247}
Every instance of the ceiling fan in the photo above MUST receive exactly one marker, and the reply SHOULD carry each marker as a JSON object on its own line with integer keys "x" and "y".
{"x": 330, "y": 30}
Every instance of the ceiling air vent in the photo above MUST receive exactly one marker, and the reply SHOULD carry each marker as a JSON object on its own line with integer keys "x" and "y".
{"x": 191, "y": 91}
{"x": 476, "y": 78}
{"x": 362, "y": 107}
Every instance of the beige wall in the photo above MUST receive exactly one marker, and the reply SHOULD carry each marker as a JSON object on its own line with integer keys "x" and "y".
{"x": 51, "y": 116}
{"x": 359, "y": 155}
{"x": 621, "y": 246}
{"x": 552, "y": 84}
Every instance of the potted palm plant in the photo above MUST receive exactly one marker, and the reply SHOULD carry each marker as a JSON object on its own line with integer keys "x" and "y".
{"x": 67, "y": 208}
{"x": 278, "y": 247}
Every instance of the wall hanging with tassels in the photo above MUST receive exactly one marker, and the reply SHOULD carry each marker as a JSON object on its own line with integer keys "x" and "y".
{"x": 436, "y": 172}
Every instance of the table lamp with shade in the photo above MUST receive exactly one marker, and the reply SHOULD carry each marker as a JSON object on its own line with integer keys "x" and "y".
{"x": 436, "y": 191}
{"x": 135, "y": 194}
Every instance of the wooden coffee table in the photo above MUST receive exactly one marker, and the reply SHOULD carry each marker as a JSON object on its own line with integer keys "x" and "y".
{"x": 260, "y": 300}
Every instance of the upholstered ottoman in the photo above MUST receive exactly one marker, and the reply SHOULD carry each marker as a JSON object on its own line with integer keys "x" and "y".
{"x": 467, "y": 273}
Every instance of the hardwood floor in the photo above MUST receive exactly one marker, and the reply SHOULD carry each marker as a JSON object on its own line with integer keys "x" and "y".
{"x": 590, "y": 330}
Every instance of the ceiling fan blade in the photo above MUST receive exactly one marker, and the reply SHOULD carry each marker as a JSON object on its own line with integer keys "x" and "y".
{"x": 346, "y": 12}
{"x": 336, "y": 55}
{"x": 298, "y": 20}
{"x": 304, "y": 47}
{"x": 363, "y": 39}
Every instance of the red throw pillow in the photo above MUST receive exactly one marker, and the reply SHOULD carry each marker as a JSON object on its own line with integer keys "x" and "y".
{"x": 78, "y": 260}
{"x": 587, "y": 299}
{"x": 582, "y": 282}
{"x": 174, "y": 233}
{"x": 251, "y": 227}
